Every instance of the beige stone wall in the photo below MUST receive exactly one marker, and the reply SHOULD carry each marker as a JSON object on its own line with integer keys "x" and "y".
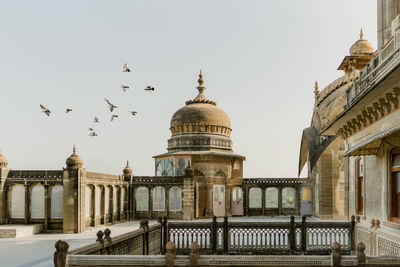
{"x": 328, "y": 174}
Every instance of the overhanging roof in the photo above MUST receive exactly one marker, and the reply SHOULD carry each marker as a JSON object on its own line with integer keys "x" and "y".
{"x": 311, "y": 148}
{"x": 371, "y": 145}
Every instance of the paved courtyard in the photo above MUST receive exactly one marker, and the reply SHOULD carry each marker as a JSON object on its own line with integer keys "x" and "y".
{"x": 37, "y": 250}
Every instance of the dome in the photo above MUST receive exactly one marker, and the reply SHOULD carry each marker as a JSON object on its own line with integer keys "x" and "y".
{"x": 200, "y": 115}
{"x": 3, "y": 161}
{"x": 127, "y": 170}
{"x": 74, "y": 161}
{"x": 361, "y": 46}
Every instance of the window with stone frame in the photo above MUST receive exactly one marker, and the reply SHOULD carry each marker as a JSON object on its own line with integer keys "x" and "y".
{"x": 395, "y": 185}
{"x": 360, "y": 186}
{"x": 255, "y": 198}
{"x": 142, "y": 199}
{"x": 158, "y": 198}
{"x": 175, "y": 199}
{"x": 288, "y": 197}
{"x": 56, "y": 204}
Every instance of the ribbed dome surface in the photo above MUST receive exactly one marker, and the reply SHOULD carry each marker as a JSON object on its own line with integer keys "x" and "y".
{"x": 201, "y": 114}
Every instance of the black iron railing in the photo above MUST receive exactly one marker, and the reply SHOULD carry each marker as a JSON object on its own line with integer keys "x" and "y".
{"x": 264, "y": 238}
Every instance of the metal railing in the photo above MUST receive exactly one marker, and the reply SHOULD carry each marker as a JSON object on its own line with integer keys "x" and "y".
{"x": 266, "y": 238}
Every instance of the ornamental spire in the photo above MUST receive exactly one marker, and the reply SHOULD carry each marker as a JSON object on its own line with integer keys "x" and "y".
{"x": 74, "y": 150}
{"x": 361, "y": 34}
{"x": 201, "y": 98}
{"x": 201, "y": 87}
{"x": 316, "y": 91}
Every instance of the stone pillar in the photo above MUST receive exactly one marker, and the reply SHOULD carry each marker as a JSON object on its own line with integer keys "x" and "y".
{"x": 228, "y": 209}
{"x": 47, "y": 203}
{"x": 3, "y": 195}
{"x": 167, "y": 200}
{"x": 279, "y": 200}
{"x": 133, "y": 203}
{"x": 263, "y": 200}
{"x": 246, "y": 201}
{"x": 188, "y": 198}
{"x": 71, "y": 197}
{"x": 151, "y": 202}
{"x": 209, "y": 208}
{"x": 111, "y": 204}
{"x": 27, "y": 204}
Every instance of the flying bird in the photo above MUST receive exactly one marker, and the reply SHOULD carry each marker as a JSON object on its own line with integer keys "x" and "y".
{"x": 92, "y": 134}
{"x": 68, "y": 110}
{"x": 95, "y": 120}
{"x": 91, "y": 129}
{"x": 133, "y": 113}
{"x": 124, "y": 87}
{"x": 113, "y": 117}
{"x": 149, "y": 88}
{"x": 45, "y": 110}
{"x": 125, "y": 68}
{"x": 112, "y": 107}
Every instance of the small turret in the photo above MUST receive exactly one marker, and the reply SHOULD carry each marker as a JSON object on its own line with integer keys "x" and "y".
{"x": 74, "y": 161}
{"x": 127, "y": 170}
{"x": 3, "y": 161}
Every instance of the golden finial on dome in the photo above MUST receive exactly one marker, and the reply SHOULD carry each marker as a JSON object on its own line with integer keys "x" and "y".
{"x": 201, "y": 87}
{"x": 127, "y": 163}
{"x": 361, "y": 34}
{"x": 74, "y": 150}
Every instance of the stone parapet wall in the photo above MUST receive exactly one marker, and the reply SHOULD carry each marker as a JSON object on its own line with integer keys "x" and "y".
{"x": 225, "y": 260}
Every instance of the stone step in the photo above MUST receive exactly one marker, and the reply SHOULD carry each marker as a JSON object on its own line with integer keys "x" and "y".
{"x": 19, "y": 230}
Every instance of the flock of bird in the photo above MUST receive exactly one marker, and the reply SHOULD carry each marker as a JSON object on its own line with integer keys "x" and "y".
{"x": 111, "y": 106}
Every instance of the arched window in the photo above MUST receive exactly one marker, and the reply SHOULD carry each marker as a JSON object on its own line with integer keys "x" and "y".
{"x": 360, "y": 186}
{"x": 395, "y": 186}
{"x": 37, "y": 202}
{"x": 175, "y": 199}
{"x": 271, "y": 197}
{"x": 158, "y": 198}
{"x": 142, "y": 199}
{"x": 255, "y": 197}
{"x": 288, "y": 197}
{"x": 56, "y": 205}
{"x": 18, "y": 201}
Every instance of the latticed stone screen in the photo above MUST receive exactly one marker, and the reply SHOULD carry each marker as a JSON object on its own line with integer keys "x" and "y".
{"x": 288, "y": 197}
{"x": 18, "y": 202}
{"x": 142, "y": 199}
{"x": 98, "y": 201}
{"x": 255, "y": 196}
{"x": 107, "y": 200}
{"x": 158, "y": 199}
{"x": 88, "y": 201}
{"x": 56, "y": 206}
{"x": 271, "y": 197}
{"x": 37, "y": 202}
{"x": 175, "y": 199}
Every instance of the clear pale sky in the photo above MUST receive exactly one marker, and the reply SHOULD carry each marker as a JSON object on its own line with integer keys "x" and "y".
{"x": 260, "y": 60}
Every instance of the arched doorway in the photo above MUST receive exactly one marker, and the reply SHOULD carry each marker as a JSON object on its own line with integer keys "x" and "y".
{"x": 219, "y": 200}
{"x": 306, "y": 201}
{"x": 237, "y": 201}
